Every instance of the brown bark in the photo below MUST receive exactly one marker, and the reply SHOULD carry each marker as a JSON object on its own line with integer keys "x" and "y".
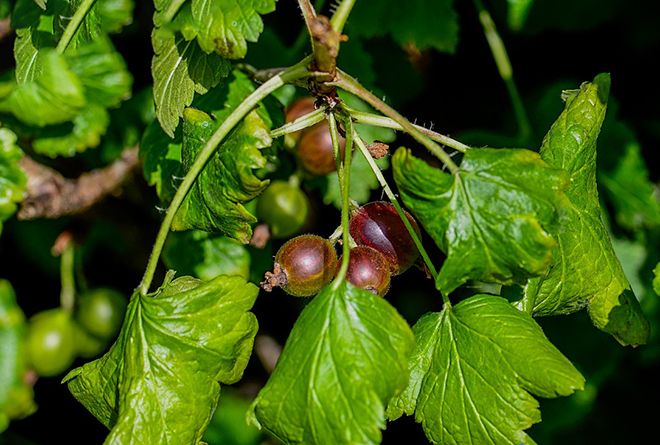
{"x": 51, "y": 195}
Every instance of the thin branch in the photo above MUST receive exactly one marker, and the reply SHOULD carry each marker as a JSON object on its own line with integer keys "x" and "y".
{"x": 50, "y": 195}
{"x": 340, "y": 16}
{"x": 5, "y": 28}
{"x": 362, "y": 117}
{"x": 503, "y": 63}
{"x": 345, "y": 204}
{"x": 346, "y": 82}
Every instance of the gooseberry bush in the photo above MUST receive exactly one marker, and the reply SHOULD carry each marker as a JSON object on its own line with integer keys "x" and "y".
{"x": 240, "y": 155}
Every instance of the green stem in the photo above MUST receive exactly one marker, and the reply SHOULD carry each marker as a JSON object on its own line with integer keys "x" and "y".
{"x": 334, "y": 137}
{"x": 309, "y": 14}
{"x": 341, "y": 14}
{"x": 362, "y": 117}
{"x": 67, "y": 266}
{"x": 295, "y": 72}
{"x": 503, "y": 63}
{"x": 346, "y": 82}
{"x": 395, "y": 202}
{"x": 74, "y": 24}
{"x": 303, "y": 36}
{"x": 345, "y": 205}
{"x": 301, "y": 123}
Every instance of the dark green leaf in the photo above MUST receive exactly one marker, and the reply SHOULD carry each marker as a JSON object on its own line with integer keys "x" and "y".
{"x": 12, "y": 177}
{"x": 161, "y": 161}
{"x": 491, "y": 219}
{"x": 50, "y": 94}
{"x": 344, "y": 360}
{"x": 73, "y": 137}
{"x": 205, "y": 256}
{"x": 656, "y": 279}
{"x": 423, "y": 23}
{"x": 15, "y": 395}
{"x": 102, "y": 71}
{"x": 159, "y": 381}
{"x": 585, "y": 269}
{"x": 474, "y": 370}
{"x": 635, "y": 198}
{"x": 180, "y": 69}
{"x": 215, "y": 203}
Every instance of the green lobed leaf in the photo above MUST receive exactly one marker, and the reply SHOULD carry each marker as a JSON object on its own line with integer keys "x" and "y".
{"x": 424, "y": 23}
{"x": 344, "y": 360}
{"x": 12, "y": 178}
{"x": 68, "y": 139}
{"x": 159, "y": 383}
{"x": 50, "y": 94}
{"x": 16, "y": 397}
{"x": 491, "y": 219}
{"x": 102, "y": 72}
{"x": 474, "y": 370}
{"x": 225, "y": 26}
{"x": 656, "y": 279}
{"x": 585, "y": 270}
{"x": 205, "y": 256}
{"x": 518, "y": 12}
{"x": 180, "y": 69}
{"x": 215, "y": 203}
{"x": 635, "y": 198}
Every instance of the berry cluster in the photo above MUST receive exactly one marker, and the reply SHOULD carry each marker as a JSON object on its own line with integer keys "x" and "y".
{"x": 306, "y": 263}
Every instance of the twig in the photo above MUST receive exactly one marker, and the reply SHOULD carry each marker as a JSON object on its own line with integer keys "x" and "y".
{"x": 5, "y": 28}
{"x": 51, "y": 195}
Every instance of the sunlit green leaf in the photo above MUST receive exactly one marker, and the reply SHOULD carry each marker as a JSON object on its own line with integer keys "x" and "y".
{"x": 215, "y": 203}
{"x": 50, "y": 94}
{"x": 102, "y": 71}
{"x": 180, "y": 69}
{"x": 585, "y": 270}
{"x": 161, "y": 161}
{"x": 159, "y": 383}
{"x": 474, "y": 370}
{"x": 68, "y": 139}
{"x": 114, "y": 14}
{"x": 344, "y": 360}
{"x": 492, "y": 218}
{"x": 12, "y": 177}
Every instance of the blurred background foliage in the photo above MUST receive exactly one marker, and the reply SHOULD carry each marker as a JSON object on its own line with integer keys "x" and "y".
{"x": 430, "y": 60}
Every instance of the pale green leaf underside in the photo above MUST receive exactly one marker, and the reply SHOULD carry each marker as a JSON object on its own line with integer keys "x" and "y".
{"x": 179, "y": 69}
{"x": 344, "y": 360}
{"x": 585, "y": 270}
{"x": 159, "y": 383}
{"x": 491, "y": 219}
{"x": 474, "y": 370}
{"x": 12, "y": 178}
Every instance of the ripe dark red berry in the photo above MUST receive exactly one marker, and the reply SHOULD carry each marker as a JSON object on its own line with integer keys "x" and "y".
{"x": 315, "y": 149}
{"x": 379, "y": 226}
{"x": 368, "y": 269}
{"x": 303, "y": 266}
